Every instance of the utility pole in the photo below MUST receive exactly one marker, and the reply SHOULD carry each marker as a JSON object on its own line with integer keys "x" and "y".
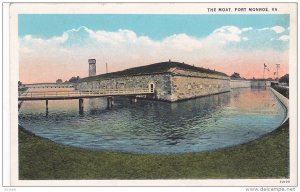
{"x": 264, "y": 70}
{"x": 277, "y": 66}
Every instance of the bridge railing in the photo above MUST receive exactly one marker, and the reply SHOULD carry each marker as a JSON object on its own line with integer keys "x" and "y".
{"x": 100, "y": 92}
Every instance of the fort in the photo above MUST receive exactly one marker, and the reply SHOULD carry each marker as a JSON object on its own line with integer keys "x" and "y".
{"x": 171, "y": 81}
{"x": 164, "y": 81}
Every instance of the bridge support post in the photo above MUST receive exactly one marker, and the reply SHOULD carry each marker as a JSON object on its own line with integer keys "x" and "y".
{"x": 47, "y": 107}
{"x": 133, "y": 99}
{"x": 109, "y": 102}
{"x": 80, "y": 106}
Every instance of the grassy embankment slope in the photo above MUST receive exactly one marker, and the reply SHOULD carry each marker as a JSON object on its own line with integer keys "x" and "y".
{"x": 266, "y": 157}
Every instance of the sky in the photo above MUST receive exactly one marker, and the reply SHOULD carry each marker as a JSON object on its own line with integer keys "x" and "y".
{"x": 53, "y": 46}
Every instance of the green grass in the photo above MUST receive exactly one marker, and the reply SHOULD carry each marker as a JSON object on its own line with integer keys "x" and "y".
{"x": 283, "y": 91}
{"x": 266, "y": 157}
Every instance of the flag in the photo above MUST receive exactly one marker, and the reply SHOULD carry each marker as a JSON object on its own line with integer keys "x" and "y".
{"x": 274, "y": 73}
{"x": 265, "y": 65}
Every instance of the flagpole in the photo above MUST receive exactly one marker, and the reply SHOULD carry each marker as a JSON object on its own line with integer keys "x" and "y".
{"x": 277, "y": 66}
{"x": 264, "y": 72}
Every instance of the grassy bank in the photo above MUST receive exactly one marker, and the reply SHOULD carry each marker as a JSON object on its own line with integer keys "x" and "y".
{"x": 266, "y": 157}
{"x": 282, "y": 90}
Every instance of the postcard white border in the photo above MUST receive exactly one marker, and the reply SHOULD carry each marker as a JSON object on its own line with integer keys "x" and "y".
{"x": 147, "y": 8}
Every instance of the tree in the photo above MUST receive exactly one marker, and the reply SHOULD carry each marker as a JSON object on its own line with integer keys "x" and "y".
{"x": 235, "y": 76}
{"x": 74, "y": 79}
{"x": 59, "y": 81}
{"x": 20, "y": 83}
{"x": 284, "y": 79}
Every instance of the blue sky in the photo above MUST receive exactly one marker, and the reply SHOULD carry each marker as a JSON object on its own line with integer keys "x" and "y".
{"x": 60, "y": 45}
{"x": 156, "y": 27}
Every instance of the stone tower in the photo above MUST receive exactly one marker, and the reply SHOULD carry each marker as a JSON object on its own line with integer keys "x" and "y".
{"x": 92, "y": 67}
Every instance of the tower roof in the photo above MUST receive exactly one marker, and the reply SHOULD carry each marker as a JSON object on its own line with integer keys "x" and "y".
{"x": 92, "y": 61}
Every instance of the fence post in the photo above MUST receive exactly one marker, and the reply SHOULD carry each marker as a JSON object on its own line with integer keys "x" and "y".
{"x": 46, "y": 106}
{"x": 109, "y": 102}
{"x": 81, "y": 106}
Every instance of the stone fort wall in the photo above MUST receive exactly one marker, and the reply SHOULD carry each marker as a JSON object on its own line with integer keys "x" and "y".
{"x": 49, "y": 85}
{"x": 161, "y": 82}
{"x": 173, "y": 86}
{"x": 237, "y": 83}
{"x": 260, "y": 83}
{"x": 184, "y": 87}
{"x": 190, "y": 84}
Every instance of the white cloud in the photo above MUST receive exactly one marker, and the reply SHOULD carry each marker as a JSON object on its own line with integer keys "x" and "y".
{"x": 276, "y": 29}
{"x": 247, "y": 29}
{"x": 226, "y": 34}
{"x": 126, "y": 41}
{"x": 120, "y": 36}
{"x": 182, "y": 42}
{"x": 83, "y": 38}
{"x": 284, "y": 38}
{"x": 26, "y": 50}
{"x": 72, "y": 49}
{"x": 263, "y": 29}
{"x": 228, "y": 29}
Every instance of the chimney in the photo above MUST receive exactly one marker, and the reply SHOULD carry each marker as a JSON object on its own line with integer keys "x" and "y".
{"x": 92, "y": 67}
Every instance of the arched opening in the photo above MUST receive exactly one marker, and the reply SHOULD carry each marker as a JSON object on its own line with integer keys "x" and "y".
{"x": 151, "y": 87}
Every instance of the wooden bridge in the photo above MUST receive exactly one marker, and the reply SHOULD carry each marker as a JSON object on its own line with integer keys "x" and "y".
{"x": 63, "y": 95}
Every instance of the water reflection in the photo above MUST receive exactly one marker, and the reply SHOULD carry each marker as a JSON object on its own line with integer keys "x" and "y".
{"x": 157, "y": 127}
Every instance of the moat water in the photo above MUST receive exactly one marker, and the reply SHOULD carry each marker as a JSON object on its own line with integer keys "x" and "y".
{"x": 202, "y": 124}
